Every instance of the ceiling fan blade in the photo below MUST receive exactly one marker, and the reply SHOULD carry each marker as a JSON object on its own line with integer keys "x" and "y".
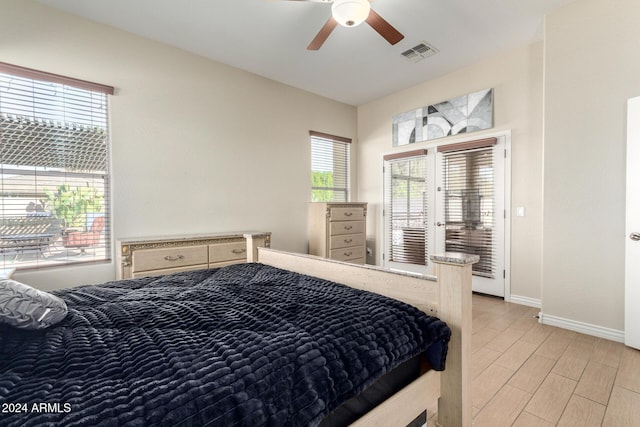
{"x": 323, "y": 34}
{"x": 383, "y": 28}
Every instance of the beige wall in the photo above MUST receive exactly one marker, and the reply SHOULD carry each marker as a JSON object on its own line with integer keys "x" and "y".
{"x": 196, "y": 145}
{"x": 517, "y": 81}
{"x": 592, "y": 66}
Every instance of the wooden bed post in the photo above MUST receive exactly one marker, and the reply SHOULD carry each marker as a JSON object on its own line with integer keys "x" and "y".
{"x": 254, "y": 241}
{"x": 453, "y": 271}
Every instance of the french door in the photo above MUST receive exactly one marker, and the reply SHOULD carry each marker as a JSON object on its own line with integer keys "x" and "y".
{"x": 448, "y": 198}
{"x": 408, "y": 212}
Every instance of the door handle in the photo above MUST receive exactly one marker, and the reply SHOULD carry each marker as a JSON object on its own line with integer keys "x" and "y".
{"x": 634, "y": 236}
{"x": 440, "y": 224}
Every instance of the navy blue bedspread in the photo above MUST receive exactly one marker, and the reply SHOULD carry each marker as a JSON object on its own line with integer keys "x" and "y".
{"x": 244, "y": 345}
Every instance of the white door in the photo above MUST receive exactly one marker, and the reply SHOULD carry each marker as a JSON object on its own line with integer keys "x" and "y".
{"x": 407, "y": 212}
{"x": 632, "y": 246}
{"x": 470, "y": 211}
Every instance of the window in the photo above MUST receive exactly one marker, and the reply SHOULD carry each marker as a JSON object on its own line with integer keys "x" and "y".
{"x": 469, "y": 205}
{"x": 329, "y": 168}
{"x": 54, "y": 169}
{"x": 406, "y": 207}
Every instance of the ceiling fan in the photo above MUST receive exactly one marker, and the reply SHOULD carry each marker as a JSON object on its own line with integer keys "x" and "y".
{"x": 350, "y": 13}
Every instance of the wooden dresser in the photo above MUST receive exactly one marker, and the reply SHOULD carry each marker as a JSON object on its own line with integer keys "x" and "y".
{"x": 154, "y": 256}
{"x": 338, "y": 231}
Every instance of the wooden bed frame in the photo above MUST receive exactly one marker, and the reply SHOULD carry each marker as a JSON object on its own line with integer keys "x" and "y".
{"x": 447, "y": 296}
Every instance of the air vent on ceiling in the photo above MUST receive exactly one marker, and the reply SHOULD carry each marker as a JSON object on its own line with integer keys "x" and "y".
{"x": 419, "y": 52}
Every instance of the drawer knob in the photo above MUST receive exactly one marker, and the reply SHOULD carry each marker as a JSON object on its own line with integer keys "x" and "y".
{"x": 348, "y": 213}
{"x": 239, "y": 251}
{"x": 348, "y": 240}
{"x": 348, "y": 227}
{"x": 348, "y": 253}
{"x": 174, "y": 258}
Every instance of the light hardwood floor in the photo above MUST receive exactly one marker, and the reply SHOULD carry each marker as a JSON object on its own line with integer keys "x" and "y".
{"x": 528, "y": 374}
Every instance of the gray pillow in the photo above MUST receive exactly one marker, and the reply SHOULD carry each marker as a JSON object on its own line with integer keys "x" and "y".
{"x": 25, "y": 307}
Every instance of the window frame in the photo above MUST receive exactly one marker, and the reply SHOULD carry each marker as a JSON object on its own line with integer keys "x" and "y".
{"x": 48, "y": 129}
{"x": 339, "y": 143}
{"x": 412, "y": 248}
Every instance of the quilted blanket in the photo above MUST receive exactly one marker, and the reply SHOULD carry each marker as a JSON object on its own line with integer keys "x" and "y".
{"x": 245, "y": 345}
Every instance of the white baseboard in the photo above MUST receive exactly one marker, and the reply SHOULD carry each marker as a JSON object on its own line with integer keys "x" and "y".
{"x": 531, "y": 302}
{"x": 584, "y": 328}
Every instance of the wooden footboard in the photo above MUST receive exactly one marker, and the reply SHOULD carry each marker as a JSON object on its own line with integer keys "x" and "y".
{"x": 447, "y": 296}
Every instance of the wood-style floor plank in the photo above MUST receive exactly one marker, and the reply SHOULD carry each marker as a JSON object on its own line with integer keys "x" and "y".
{"x": 623, "y": 409}
{"x": 505, "y": 339}
{"x": 629, "y": 371}
{"x": 608, "y": 352}
{"x": 487, "y": 384}
{"x": 527, "y": 420}
{"x": 538, "y": 333}
{"x": 481, "y": 360}
{"x": 516, "y": 355}
{"x": 581, "y": 412}
{"x": 570, "y": 366}
{"x": 551, "y": 398}
{"x": 555, "y": 345}
{"x": 481, "y": 337}
{"x": 503, "y": 409}
{"x": 532, "y": 373}
{"x": 596, "y": 382}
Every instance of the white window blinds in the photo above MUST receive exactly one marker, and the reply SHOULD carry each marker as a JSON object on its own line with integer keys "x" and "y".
{"x": 330, "y": 157}
{"x": 406, "y": 207}
{"x": 470, "y": 204}
{"x": 54, "y": 170}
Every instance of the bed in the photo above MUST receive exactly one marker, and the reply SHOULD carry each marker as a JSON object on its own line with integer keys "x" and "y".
{"x": 240, "y": 345}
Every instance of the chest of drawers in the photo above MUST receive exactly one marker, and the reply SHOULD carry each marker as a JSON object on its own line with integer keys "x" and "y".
{"x": 140, "y": 257}
{"x": 338, "y": 231}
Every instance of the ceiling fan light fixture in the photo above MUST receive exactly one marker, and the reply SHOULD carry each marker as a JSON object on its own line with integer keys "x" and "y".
{"x": 350, "y": 13}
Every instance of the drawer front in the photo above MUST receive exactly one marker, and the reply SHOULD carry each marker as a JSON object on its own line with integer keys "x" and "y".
{"x": 346, "y": 240}
{"x": 346, "y": 227}
{"x": 169, "y": 270}
{"x": 227, "y": 252}
{"x": 346, "y": 254}
{"x": 346, "y": 214}
{"x": 167, "y": 258}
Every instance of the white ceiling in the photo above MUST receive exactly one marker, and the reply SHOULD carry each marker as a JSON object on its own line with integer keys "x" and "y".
{"x": 355, "y": 65}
